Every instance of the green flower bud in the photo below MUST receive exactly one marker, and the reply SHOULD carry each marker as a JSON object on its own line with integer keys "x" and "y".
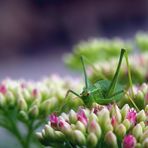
{"x": 2, "y": 100}
{"x": 139, "y": 99}
{"x": 127, "y": 124}
{"x": 103, "y": 116}
{"x": 43, "y": 133}
{"x": 94, "y": 127}
{"x": 124, "y": 110}
{"x": 65, "y": 116}
{"x": 144, "y": 88}
{"x": 79, "y": 137}
{"x": 120, "y": 131}
{"x": 80, "y": 126}
{"x": 142, "y": 125}
{"x": 146, "y": 128}
{"x": 115, "y": 111}
{"x": 146, "y": 108}
{"x": 138, "y": 145}
{"x": 72, "y": 116}
{"x": 26, "y": 95}
{"x": 145, "y": 143}
{"x": 39, "y": 137}
{"x": 49, "y": 132}
{"x": 21, "y": 104}
{"x": 47, "y": 106}
{"x": 10, "y": 99}
{"x": 73, "y": 126}
{"x": 23, "y": 116}
{"x": 34, "y": 111}
{"x": 92, "y": 140}
{"x": 92, "y": 117}
{"x": 144, "y": 136}
{"x": 59, "y": 136}
{"x": 110, "y": 139}
{"x": 137, "y": 131}
{"x": 141, "y": 116}
{"x": 107, "y": 127}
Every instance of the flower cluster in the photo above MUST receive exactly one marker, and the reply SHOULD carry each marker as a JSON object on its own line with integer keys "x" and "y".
{"x": 100, "y": 126}
{"x": 140, "y": 97}
{"x": 96, "y": 49}
{"x": 138, "y": 66}
{"x": 31, "y": 102}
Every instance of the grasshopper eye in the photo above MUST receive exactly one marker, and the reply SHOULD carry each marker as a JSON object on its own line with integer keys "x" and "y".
{"x": 87, "y": 94}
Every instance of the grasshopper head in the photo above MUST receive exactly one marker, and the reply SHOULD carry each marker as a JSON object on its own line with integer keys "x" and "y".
{"x": 85, "y": 93}
{"x": 86, "y": 97}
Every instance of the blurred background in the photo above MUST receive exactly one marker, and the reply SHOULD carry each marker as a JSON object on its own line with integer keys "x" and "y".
{"x": 34, "y": 34}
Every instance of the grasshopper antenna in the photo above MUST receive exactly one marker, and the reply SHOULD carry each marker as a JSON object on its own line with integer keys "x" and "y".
{"x": 85, "y": 75}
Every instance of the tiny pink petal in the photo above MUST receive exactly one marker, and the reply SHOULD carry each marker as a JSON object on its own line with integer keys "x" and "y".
{"x": 54, "y": 120}
{"x": 132, "y": 116}
{"x": 129, "y": 141}
{"x": 82, "y": 117}
{"x": 34, "y": 92}
{"x": 113, "y": 121}
{"x": 3, "y": 89}
{"x": 62, "y": 124}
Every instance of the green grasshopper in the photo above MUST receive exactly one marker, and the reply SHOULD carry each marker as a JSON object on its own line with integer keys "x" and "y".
{"x": 103, "y": 91}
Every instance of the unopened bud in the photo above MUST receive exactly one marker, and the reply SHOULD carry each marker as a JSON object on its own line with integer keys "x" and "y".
{"x": 2, "y": 100}
{"x": 103, "y": 116}
{"x": 146, "y": 108}
{"x": 144, "y": 136}
{"x": 92, "y": 140}
{"x": 141, "y": 116}
{"x": 59, "y": 136}
{"x": 79, "y": 137}
{"x": 144, "y": 88}
{"x": 142, "y": 123}
{"x": 49, "y": 132}
{"x": 21, "y": 103}
{"x": 39, "y": 136}
{"x": 139, "y": 99}
{"x": 94, "y": 127}
{"x": 145, "y": 143}
{"x": 72, "y": 116}
{"x": 120, "y": 131}
{"x": 125, "y": 110}
{"x": 137, "y": 131}
{"x": 115, "y": 111}
{"x": 34, "y": 111}
{"x": 26, "y": 95}
{"x": 138, "y": 145}
{"x": 111, "y": 140}
{"x": 93, "y": 117}
{"x": 10, "y": 99}
{"x": 23, "y": 116}
{"x": 80, "y": 126}
{"x": 65, "y": 116}
{"x": 127, "y": 124}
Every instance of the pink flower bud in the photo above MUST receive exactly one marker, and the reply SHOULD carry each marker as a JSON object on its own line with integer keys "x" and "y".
{"x": 129, "y": 141}
{"x": 81, "y": 116}
{"x": 54, "y": 120}
{"x": 114, "y": 121}
{"x": 3, "y": 89}
{"x": 132, "y": 116}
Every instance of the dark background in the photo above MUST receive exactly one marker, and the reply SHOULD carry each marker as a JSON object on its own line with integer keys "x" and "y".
{"x": 34, "y": 34}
